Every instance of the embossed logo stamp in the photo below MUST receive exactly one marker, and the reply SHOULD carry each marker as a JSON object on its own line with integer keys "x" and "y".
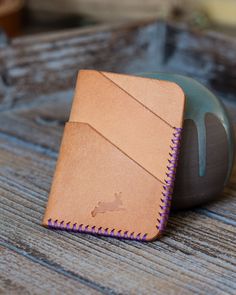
{"x": 103, "y": 207}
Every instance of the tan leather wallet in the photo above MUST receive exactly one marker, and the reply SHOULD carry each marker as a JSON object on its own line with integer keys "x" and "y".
{"x": 118, "y": 157}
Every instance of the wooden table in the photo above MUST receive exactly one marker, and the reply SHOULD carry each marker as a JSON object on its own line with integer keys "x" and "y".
{"x": 37, "y": 76}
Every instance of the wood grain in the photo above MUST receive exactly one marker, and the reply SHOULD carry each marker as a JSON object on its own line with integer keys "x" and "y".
{"x": 197, "y": 253}
{"x": 18, "y": 280}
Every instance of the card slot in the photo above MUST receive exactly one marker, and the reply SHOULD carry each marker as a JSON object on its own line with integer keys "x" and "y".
{"x": 125, "y": 122}
{"x": 123, "y": 152}
{"x": 164, "y": 98}
{"x": 111, "y": 78}
{"x": 94, "y": 176}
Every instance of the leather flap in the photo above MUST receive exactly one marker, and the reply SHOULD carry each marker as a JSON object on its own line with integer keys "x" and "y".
{"x": 122, "y": 118}
{"x": 96, "y": 185}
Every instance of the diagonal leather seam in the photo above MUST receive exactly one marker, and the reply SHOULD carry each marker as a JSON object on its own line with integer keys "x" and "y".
{"x": 134, "y": 98}
{"x": 124, "y": 153}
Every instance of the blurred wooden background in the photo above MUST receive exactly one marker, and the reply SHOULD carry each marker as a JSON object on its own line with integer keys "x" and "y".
{"x": 223, "y": 12}
{"x": 32, "y": 16}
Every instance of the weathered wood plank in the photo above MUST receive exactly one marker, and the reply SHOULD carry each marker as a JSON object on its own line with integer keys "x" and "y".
{"x": 41, "y": 123}
{"x": 22, "y": 273}
{"x": 35, "y": 66}
{"x": 196, "y": 256}
{"x": 203, "y": 56}
{"x": 50, "y": 64}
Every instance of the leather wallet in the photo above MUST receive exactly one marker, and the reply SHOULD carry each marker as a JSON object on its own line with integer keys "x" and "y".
{"x": 118, "y": 157}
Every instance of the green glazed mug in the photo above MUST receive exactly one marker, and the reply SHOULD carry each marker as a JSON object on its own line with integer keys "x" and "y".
{"x": 207, "y": 146}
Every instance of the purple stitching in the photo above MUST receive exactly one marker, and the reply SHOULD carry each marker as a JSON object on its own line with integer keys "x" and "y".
{"x": 93, "y": 230}
{"x": 169, "y": 181}
{"x": 164, "y": 207}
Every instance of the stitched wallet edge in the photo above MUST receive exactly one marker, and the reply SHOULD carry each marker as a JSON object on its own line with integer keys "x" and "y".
{"x": 162, "y": 212}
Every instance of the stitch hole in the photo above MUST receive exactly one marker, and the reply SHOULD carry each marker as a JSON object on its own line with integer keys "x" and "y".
{"x": 131, "y": 235}
{"x": 100, "y": 230}
{"x": 106, "y": 231}
{"x": 112, "y": 232}
{"x": 119, "y": 233}
{"x": 144, "y": 237}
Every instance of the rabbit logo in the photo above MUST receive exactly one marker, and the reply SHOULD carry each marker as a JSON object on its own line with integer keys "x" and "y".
{"x": 103, "y": 207}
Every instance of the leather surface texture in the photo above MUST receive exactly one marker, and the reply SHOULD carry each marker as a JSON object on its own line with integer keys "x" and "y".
{"x": 111, "y": 173}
